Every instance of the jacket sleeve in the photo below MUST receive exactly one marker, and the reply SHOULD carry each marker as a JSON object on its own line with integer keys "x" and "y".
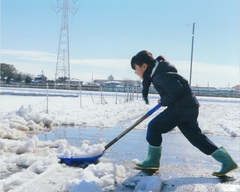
{"x": 172, "y": 89}
{"x": 146, "y": 84}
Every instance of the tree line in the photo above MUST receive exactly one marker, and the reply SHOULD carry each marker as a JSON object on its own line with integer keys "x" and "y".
{"x": 8, "y": 74}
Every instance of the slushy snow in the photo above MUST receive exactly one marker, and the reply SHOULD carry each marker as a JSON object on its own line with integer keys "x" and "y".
{"x": 29, "y": 164}
{"x": 83, "y": 151}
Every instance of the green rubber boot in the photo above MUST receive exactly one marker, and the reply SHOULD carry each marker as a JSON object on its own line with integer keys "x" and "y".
{"x": 153, "y": 160}
{"x": 228, "y": 165}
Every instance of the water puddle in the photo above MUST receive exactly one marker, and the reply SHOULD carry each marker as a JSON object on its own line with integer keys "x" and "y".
{"x": 176, "y": 148}
{"x": 74, "y": 135}
{"x": 123, "y": 150}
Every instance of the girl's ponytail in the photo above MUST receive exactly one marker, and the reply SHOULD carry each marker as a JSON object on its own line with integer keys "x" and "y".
{"x": 160, "y": 58}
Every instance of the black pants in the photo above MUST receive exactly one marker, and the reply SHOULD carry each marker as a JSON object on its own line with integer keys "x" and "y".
{"x": 188, "y": 125}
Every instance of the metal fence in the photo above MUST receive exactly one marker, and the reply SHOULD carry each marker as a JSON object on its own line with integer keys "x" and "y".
{"x": 38, "y": 89}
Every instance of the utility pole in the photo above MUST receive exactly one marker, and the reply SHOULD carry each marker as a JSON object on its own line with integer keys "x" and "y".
{"x": 190, "y": 79}
{"x": 62, "y": 73}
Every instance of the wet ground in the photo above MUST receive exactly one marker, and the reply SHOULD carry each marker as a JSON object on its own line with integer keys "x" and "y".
{"x": 183, "y": 167}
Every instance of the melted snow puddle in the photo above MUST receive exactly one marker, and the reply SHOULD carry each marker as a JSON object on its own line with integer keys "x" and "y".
{"x": 82, "y": 139}
{"x": 75, "y": 136}
{"x": 83, "y": 142}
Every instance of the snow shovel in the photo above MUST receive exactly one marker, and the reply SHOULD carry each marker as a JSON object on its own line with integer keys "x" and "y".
{"x": 95, "y": 158}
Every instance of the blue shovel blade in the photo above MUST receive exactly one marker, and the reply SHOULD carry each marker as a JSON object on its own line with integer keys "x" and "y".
{"x": 71, "y": 160}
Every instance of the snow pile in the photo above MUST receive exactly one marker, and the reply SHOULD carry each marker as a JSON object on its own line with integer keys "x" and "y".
{"x": 27, "y": 156}
{"x": 28, "y": 113}
{"x": 24, "y": 119}
{"x": 144, "y": 183}
{"x": 98, "y": 178}
{"x": 227, "y": 188}
{"x": 83, "y": 151}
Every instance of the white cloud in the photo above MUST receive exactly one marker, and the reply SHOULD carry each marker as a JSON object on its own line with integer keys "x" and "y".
{"x": 28, "y": 55}
{"x": 102, "y": 68}
{"x": 212, "y": 74}
{"x": 34, "y": 62}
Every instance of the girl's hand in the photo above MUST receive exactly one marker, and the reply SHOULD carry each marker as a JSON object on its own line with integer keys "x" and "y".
{"x": 146, "y": 100}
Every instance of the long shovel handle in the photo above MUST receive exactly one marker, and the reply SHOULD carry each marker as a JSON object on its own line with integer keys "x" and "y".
{"x": 150, "y": 112}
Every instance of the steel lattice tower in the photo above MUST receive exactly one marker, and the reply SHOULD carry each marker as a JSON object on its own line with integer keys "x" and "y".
{"x": 63, "y": 61}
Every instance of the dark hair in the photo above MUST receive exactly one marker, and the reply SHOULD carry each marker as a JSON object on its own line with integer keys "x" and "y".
{"x": 142, "y": 57}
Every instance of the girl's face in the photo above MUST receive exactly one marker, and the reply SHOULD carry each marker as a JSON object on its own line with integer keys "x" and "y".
{"x": 139, "y": 70}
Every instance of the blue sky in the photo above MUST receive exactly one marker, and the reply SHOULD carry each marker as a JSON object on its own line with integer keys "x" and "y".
{"x": 105, "y": 34}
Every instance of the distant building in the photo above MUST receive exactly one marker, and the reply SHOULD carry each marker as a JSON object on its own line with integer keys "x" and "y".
{"x": 74, "y": 81}
{"x": 40, "y": 79}
{"x": 196, "y": 88}
{"x": 110, "y": 81}
{"x": 237, "y": 88}
{"x": 110, "y": 78}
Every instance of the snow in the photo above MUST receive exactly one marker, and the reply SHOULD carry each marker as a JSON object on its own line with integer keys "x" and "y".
{"x": 83, "y": 151}
{"x": 29, "y": 164}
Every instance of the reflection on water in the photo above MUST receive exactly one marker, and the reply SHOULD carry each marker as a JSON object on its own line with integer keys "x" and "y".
{"x": 75, "y": 136}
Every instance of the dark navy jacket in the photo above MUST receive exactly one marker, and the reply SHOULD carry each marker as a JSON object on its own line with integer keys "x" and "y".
{"x": 174, "y": 90}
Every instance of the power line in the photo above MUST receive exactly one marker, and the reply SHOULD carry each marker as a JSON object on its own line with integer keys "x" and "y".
{"x": 203, "y": 11}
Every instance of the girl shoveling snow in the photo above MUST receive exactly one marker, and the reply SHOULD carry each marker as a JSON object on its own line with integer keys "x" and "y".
{"x": 182, "y": 111}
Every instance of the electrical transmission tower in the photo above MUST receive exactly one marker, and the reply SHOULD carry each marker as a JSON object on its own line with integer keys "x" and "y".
{"x": 62, "y": 74}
